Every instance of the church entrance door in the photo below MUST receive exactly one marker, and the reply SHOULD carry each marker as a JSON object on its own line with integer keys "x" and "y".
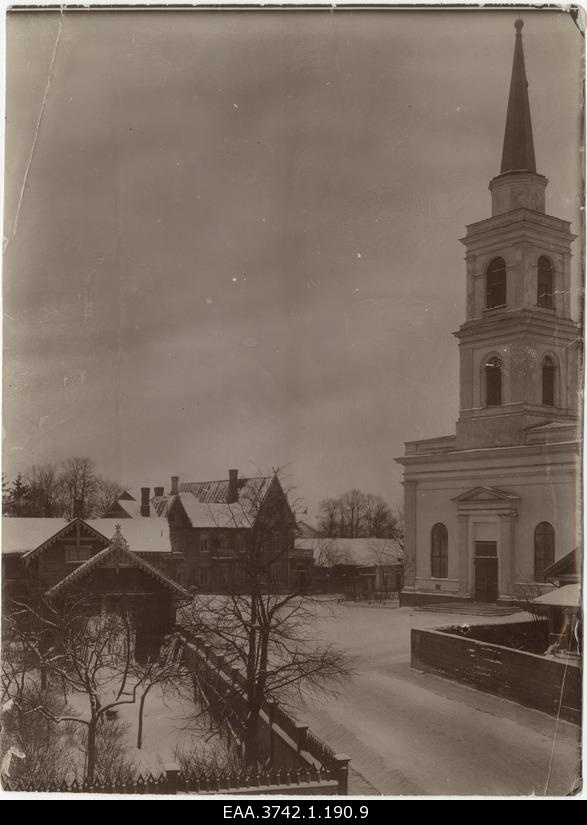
{"x": 486, "y": 571}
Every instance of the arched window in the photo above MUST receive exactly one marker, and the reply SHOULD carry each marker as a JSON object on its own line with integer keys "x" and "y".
{"x": 439, "y": 551}
{"x": 548, "y": 381}
{"x": 493, "y": 382}
{"x": 545, "y": 284}
{"x": 495, "y": 282}
{"x": 543, "y": 549}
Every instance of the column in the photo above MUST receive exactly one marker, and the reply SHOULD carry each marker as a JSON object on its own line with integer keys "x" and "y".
{"x": 507, "y": 556}
{"x": 463, "y": 551}
{"x": 410, "y": 536}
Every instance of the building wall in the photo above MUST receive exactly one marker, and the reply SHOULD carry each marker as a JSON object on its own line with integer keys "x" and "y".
{"x": 546, "y": 484}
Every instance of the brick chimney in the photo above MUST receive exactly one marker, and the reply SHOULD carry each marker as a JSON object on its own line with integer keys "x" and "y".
{"x": 174, "y": 485}
{"x": 232, "y": 486}
{"x": 159, "y": 491}
{"x": 145, "y": 506}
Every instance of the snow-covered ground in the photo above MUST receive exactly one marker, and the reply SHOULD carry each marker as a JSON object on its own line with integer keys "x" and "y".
{"x": 414, "y": 733}
{"x": 170, "y": 721}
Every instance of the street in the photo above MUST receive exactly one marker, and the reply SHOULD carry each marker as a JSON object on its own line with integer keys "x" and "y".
{"x": 414, "y": 733}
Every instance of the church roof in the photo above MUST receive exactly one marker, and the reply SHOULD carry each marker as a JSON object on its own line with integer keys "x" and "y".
{"x": 518, "y": 142}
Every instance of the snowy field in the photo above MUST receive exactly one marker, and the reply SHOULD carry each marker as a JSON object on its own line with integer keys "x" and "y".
{"x": 414, "y": 733}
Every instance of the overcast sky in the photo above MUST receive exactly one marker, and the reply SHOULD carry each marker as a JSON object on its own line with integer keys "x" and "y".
{"x": 237, "y": 242}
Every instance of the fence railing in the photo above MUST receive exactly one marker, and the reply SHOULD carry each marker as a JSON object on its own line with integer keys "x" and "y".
{"x": 282, "y": 740}
{"x": 301, "y": 782}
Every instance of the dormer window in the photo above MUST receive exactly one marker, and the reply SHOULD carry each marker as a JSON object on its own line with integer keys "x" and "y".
{"x": 496, "y": 295}
{"x": 493, "y": 382}
{"x": 545, "y": 284}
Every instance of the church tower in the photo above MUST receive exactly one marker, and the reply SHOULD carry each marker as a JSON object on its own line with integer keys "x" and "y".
{"x": 488, "y": 511}
{"x": 518, "y": 353}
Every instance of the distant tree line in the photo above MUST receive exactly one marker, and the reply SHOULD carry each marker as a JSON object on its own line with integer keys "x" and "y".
{"x": 356, "y": 514}
{"x": 70, "y": 488}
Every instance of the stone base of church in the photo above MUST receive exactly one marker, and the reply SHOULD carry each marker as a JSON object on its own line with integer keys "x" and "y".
{"x": 416, "y": 599}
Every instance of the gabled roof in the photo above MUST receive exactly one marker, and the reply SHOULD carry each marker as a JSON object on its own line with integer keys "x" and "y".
{"x": 29, "y": 537}
{"x": 119, "y": 551}
{"x": 59, "y": 533}
{"x": 566, "y": 566}
{"x": 145, "y": 535}
{"x": 567, "y": 596}
{"x": 21, "y": 535}
{"x": 213, "y": 515}
{"x": 251, "y": 491}
{"x": 486, "y": 494}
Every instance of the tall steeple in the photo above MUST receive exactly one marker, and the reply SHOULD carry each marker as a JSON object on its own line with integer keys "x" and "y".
{"x": 518, "y": 185}
{"x": 518, "y": 144}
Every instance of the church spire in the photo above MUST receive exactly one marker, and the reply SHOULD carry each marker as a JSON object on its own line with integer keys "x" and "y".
{"x": 518, "y": 144}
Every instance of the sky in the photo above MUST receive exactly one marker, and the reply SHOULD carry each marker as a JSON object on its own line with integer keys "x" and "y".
{"x": 231, "y": 238}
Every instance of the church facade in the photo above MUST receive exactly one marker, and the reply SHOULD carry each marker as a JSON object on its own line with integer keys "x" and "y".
{"x": 489, "y": 509}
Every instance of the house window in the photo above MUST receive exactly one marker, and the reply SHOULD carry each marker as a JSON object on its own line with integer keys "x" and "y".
{"x": 495, "y": 282}
{"x": 77, "y": 554}
{"x": 241, "y": 543}
{"x": 204, "y": 544}
{"x": 439, "y": 551}
{"x": 548, "y": 381}
{"x": 545, "y": 284}
{"x": 543, "y": 549}
{"x": 493, "y": 382}
{"x": 203, "y": 576}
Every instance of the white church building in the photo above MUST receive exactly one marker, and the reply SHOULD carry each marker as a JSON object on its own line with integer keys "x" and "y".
{"x": 489, "y": 509}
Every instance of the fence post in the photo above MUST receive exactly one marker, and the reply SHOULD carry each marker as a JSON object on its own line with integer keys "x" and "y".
{"x": 172, "y": 775}
{"x": 341, "y": 761}
{"x": 271, "y": 713}
{"x": 301, "y": 731}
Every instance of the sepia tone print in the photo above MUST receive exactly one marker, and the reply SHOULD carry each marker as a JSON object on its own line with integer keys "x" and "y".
{"x": 268, "y": 528}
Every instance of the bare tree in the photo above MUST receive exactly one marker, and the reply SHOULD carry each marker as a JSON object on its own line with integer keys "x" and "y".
{"x": 165, "y": 670}
{"x": 47, "y": 490}
{"x": 385, "y": 557}
{"x": 356, "y": 514}
{"x": 84, "y": 654}
{"x": 78, "y": 478}
{"x": 106, "y": 493}
{"x": 270, "y": 636}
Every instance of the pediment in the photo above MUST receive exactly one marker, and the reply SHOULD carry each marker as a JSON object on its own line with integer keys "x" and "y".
{"x": 479, "y": 495}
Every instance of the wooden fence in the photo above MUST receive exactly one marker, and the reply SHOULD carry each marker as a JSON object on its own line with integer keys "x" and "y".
{"x": 536, "y": 681}
{"x": 282, "y": 740}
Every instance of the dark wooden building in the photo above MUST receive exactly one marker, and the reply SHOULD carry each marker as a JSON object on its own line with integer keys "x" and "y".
{"x": 54, "y": 559}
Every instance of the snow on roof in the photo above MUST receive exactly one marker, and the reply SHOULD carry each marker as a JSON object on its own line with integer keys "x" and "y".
{"x": 144, "y": 535}
{"x": 102, "y": 557}
{"x": 250, "y": 490}
{"x": 213, "y": 515}
{"x": 567, "y": 596}
{"x": 366, "y": 552}
{"x": 20, "y": 535}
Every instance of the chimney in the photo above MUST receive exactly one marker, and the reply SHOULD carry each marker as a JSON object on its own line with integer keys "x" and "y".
{"x": 174, "y": 485}
{"x": 145, "y": 496}
{"x": 159, "y": 491}
{"x": 232, "y": 486}
{"x": 78, "y": 508}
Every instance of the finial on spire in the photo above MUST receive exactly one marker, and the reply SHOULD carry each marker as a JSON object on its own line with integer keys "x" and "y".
{"x": 518, "y": 142}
